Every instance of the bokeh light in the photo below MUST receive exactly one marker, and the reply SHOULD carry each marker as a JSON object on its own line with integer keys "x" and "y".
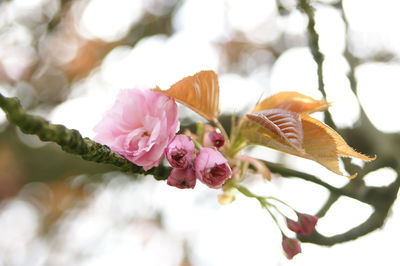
{"x": 66, "y": 61}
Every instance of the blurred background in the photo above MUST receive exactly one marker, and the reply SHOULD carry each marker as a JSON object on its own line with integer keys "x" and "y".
{"x": 67, "y": 59}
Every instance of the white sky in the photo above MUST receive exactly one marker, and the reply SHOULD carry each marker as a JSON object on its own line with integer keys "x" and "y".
{"x": 241, "y": 233}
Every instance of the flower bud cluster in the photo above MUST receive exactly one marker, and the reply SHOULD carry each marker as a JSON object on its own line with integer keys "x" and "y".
{"x": 208, "y": 165}
{"x": 305, "y": 225}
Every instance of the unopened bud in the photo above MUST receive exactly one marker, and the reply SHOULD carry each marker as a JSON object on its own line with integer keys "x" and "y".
{"x": 294, "y": 226}
{"x": 182, "y": 178}
{"x": 307, "y": 223}
{"x": 291, "y": 247}
{"x": 214, "y": 139}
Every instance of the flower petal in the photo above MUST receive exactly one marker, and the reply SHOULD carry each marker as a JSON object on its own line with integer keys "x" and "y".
{"x": 139, "y": 126}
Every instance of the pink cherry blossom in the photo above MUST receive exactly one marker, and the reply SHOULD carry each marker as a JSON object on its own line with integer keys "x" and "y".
{"x": 212, "y": 168}
{"x": 139, "y": 126}
{"x": 182, "y": 178}
{"x": 291, "y": 247}
{"x": 180, "y": 151}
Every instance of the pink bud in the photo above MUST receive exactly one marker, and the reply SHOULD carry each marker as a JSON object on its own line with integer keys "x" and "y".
{"x": 180, "y": 151}
{"x": 212, "y": 168}
{"x": 182, "y": 178}
{"x": 307, "y": 223}
{"x": 291, "y": 247}
{"x": 213, "y": 139}
{"x": 294, "y": 226}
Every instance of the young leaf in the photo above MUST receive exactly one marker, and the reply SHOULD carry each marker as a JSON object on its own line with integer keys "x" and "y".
{"x": 292, "y": 101}
{"x": 281, "y": 122}
{"x": 284, "y": 124}
{"x": 320, "y": 143}
{"x": 199, "y": 92}
{"x": 255, "y": 134}
{"x": 325, "y": 146}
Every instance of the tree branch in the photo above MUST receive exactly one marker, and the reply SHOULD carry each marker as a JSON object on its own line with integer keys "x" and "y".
{"x": 313, "y": 41}
{"x": 375, "y": 221}
{"x": 70, "y": 140}
{"x": 290, "y": 173}
{"x": 381, "y": 199}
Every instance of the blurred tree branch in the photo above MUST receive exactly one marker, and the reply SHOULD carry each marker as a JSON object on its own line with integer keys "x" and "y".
{"x": 367, "y": 137}
{"x": 313, "y": 39}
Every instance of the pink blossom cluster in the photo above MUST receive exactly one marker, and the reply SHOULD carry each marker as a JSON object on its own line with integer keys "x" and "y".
{"x": 142, "y": 127}
{"x": 209, "y": 165}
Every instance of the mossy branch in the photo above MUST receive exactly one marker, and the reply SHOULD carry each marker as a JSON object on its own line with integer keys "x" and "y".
{"x": 70, "y": 140}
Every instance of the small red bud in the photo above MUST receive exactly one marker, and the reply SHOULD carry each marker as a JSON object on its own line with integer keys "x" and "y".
{"x": 307, "y": 223}
{"x": 294, "y": 226}
{"x": 291, "y": 247}
{"x": 213, "y": 139}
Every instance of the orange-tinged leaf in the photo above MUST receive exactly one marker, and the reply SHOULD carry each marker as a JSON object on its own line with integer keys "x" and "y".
{"x": 292, "y": 101}
{"x": 320, "y": 143}
{"x": 325, "y": 145}
{"x": 199, "y": 92}
{"x": 255, "y": 134}
{"x": 284, "y": 125}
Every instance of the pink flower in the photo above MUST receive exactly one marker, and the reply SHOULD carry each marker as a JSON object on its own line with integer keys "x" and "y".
{"x": 213, "y": 139}
{"x": 139, "y": 126}
{"x": 180, "y": 151}
{"x": 182, "y": 178}
{"x": 212, "y": 168}
{"x": 307, "y": 223}
{"x": 291, "y": 247}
